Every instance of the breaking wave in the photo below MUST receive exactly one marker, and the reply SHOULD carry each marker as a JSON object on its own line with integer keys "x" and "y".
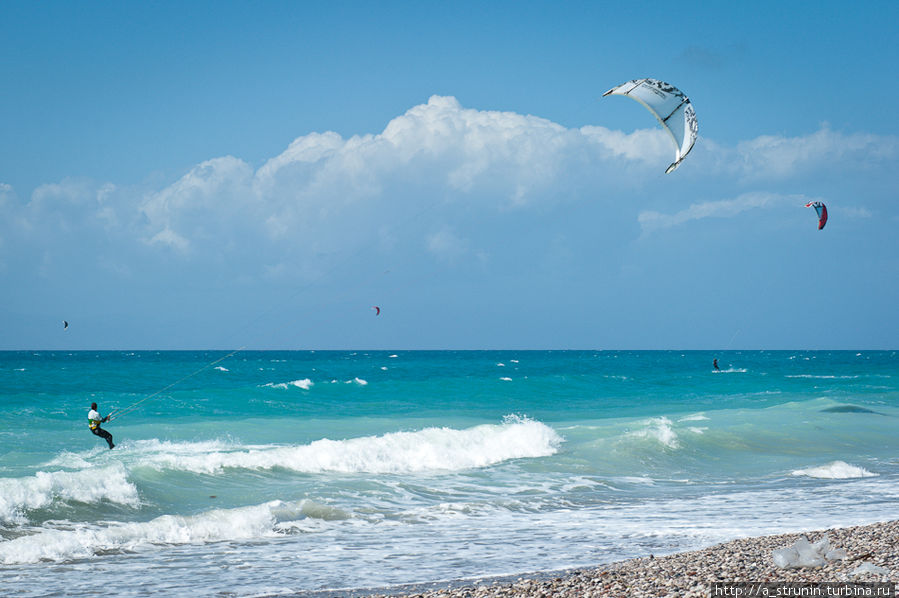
{"x": 838, "y": 470}
{"x": 82, "y": 540}
{"x": 44, "y": 489}
{"x": 429, "y": 449}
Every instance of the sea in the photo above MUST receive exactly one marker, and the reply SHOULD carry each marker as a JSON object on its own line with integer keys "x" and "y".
{"x": 336, "y": 473}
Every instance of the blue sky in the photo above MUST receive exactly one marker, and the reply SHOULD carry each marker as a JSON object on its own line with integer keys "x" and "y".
{"x": 228, "y": 174}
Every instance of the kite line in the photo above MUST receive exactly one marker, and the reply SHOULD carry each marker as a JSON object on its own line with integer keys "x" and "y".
{"x": 133, "y": 406}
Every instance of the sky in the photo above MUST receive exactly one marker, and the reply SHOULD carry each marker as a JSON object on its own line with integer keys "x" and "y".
{"x": 223, "y": 175}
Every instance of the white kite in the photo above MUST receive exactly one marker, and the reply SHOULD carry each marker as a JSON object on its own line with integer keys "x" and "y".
{"x": 670, "y": 106}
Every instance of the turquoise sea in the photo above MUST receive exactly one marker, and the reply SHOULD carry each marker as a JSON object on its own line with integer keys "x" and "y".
{"x": 292, "y": 473}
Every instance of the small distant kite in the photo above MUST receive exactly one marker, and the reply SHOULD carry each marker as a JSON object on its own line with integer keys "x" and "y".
{"x": 822, "y": 212}
{"x": 377, "y": 310}
{"x": 65, "y": 325}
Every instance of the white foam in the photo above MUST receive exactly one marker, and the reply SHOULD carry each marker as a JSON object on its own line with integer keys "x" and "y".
{"x": 838, "y": 470}
{"x": 42, "y": 490}
{"x": 305, "y": 384}
{"x": 77, "y": 541}
{"x": 658, "y": 429}
{"x": 506, "y": 379}
{"x": 221, "y": 369}
{"x": 693, "y": 418}
{"x": 429, "y": 449}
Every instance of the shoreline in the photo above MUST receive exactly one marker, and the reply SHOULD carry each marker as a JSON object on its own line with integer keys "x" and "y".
{"x": 682, "y": 575}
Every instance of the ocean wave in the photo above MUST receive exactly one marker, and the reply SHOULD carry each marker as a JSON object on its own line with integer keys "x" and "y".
{"x": 305, "y": 384}
{"x": 660, "y": 430}
{"x": 77, "y": 541}
{"x": 45, "y": 489}
{"x": 429, "y": 449}
{"x": 838, "y": 470}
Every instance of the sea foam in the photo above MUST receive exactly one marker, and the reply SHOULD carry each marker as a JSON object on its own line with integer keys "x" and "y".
{"x": 660, "y": 430}
{"x": 838, "y": 470}
{"x": 429, "y": 449}
{"x": 85, "y": 540}
{"x": 305, "y": 384}
{"x": 44, "y": 489}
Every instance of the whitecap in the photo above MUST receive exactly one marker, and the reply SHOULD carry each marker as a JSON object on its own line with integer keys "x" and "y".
{"x": 305, "y": 384}
{"x": 837, "y": 470}
{"x": 45, "y": 489}
{"x": 693, "y": 418}
{"x": 85, "y": 540}
{"x": 429, "y": 449}
{"x": 660, "y": 430}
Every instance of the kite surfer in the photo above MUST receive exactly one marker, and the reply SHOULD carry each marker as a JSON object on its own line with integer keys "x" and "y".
{"x": 715, "y": 364}
{"x": 94, "y": 420}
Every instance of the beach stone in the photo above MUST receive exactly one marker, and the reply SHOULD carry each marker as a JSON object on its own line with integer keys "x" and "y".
{"x": 867, "y": 553}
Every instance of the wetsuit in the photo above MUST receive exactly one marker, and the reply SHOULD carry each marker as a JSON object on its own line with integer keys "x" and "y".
{"x": 93, "y": 421}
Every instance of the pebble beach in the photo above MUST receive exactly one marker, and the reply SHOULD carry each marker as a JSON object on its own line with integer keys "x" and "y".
{"x": 692, "y": 574}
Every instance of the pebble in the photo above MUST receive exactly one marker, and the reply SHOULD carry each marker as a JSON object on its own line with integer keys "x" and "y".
{"x": 690, "y": 574}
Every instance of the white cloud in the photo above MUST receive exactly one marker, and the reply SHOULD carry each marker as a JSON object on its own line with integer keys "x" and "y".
{"x": 437, "y": 167}
{"x": 170, "y": 238}
{"x": 193, "y": 205}
{"x": 777, "y": 156}
{"x": 651, "y": 221}
{"x": 323, "y": 190}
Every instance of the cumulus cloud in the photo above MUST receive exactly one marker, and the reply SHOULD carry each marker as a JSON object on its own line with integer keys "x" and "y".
{"x": 323, "y": 189}
{"x": 434, "y": 170}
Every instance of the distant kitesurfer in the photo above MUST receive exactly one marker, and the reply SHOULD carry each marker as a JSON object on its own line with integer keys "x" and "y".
{"x": 715, "y": 364}
{"x": 94, "y": 420}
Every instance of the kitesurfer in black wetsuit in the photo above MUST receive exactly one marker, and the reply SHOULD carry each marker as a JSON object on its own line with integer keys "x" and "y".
{"x": 715, "y": 363}
{"x": 94, "y": 420}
